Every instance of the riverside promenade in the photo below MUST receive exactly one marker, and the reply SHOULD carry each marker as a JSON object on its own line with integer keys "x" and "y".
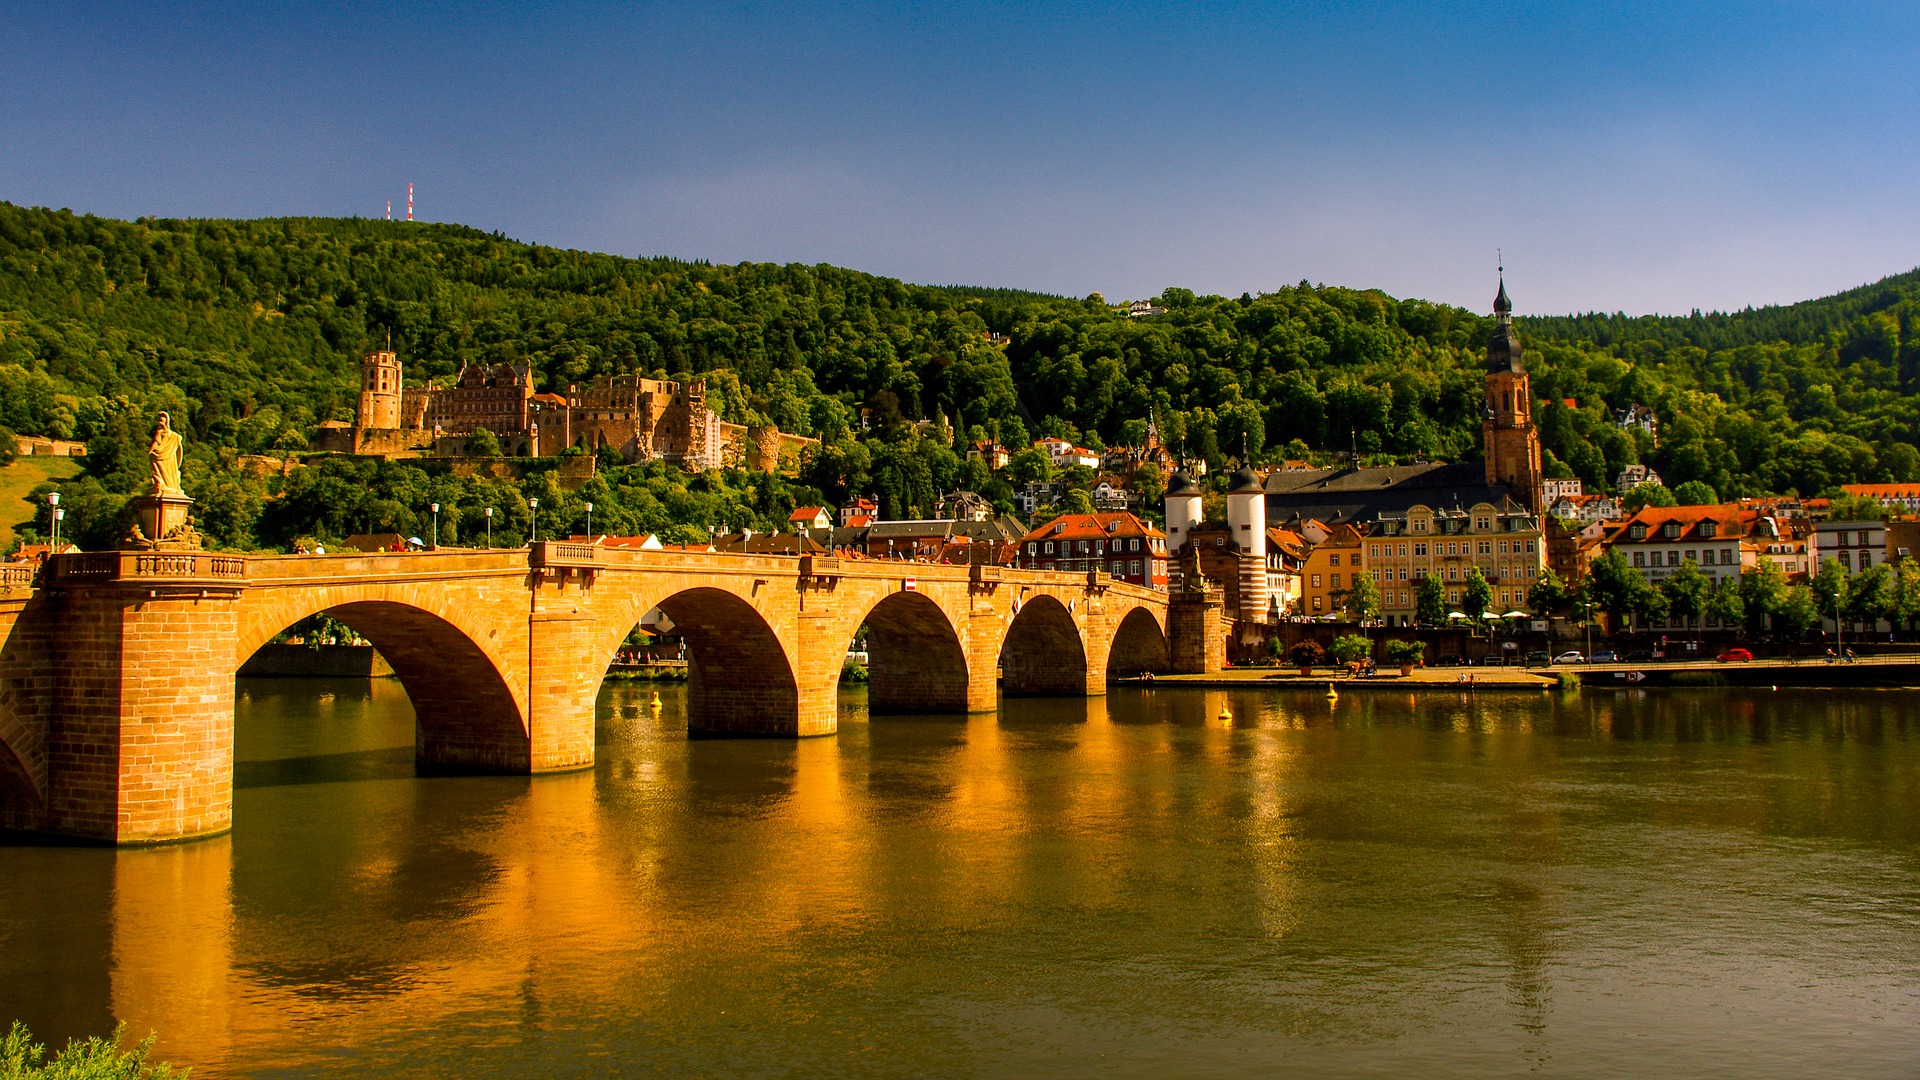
{"x": 1872, "y": 671}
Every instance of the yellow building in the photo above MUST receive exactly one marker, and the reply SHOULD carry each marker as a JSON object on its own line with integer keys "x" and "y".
{"x": 1503, "y": 540}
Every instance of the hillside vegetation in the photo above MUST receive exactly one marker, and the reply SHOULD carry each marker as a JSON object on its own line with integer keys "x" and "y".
{"x": 250, "y": 333}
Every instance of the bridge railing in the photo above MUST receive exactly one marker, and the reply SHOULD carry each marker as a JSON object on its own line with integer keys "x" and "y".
{"x": 171, "y": 567}
{"x": 17, "y": 575}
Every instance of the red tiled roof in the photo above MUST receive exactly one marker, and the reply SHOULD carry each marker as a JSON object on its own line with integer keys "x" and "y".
{"x": 1092, "y": 527}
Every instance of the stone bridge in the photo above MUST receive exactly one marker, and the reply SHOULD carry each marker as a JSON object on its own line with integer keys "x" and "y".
{"x": 117, "y": 668}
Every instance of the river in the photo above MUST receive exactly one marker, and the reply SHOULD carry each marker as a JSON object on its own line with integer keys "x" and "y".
{"x": 1604, "y": 884}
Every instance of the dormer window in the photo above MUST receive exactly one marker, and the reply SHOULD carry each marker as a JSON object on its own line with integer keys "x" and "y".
{"x": 1708, "y": 529}
{"x": 1636, "y": 532}
{"x": 1671, "y": 530}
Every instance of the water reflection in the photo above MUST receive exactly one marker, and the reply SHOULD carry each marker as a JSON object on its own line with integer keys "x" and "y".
{"x": 1158, "y": 881}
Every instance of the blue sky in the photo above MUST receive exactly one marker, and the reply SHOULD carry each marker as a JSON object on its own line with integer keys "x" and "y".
{"x": 1637, "y": 157}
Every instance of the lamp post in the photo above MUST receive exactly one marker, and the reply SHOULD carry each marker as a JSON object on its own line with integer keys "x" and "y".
{"x": 534, "y": 506}
{"x": 55, "y": 514}
{"x": 489, "y": 526}
{"x": 435, "y": 507}
{"x": 589, "y": 523}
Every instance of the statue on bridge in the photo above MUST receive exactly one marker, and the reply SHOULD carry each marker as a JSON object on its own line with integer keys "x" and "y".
{"x": 160, "y": 521}
{"x": 166, "y": 454}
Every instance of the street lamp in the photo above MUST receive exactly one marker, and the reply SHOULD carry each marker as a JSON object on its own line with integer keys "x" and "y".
{"x": 534, "y": 506}
{"x": 55, "y": 513}
{"x": 435, "y": 507}
{"x": 589, "y": 523}
{"x": 489, "y": 526}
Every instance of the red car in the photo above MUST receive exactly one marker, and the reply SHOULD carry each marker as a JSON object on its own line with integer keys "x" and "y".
{"x": 1734, "y": 656}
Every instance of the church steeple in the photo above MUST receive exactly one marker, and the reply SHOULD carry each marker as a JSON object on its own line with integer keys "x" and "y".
{"x": 1503, "y": 348}
{"x": 1512, "y": 444}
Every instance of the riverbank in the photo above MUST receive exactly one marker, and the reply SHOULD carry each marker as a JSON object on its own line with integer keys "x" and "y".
{"x": 1869, "y": 672}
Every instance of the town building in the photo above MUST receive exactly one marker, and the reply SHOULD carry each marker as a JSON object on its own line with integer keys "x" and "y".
{"x": 1657, "y": 540}
{"x": 1330, "y": 569}
{"x": 1586, "y": 509}
{"x": 960, "y": 505}
{"x": 1639, "y": 418}
{"x": 858, "y": 511}
{"x": 1632, "y": 476}
{"x": 1117, "y": 544}
{"x": 1065, "y": 454}
{"x": 1904, "y": 496}
{"x": 1555, "y": 490}
{"x": 1504, "y": 542}
{"x": 811, "y": 517}
{"x": 1858, "y": 545}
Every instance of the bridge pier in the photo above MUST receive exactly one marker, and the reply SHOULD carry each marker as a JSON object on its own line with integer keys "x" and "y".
{"x": 141, "y": 733}
{"x": 560, "y": 704}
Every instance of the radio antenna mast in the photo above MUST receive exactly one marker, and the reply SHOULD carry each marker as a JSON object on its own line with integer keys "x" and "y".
{"x": 409, "y": 200}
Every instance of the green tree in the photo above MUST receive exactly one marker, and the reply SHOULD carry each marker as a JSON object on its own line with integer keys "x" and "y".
{"x": 1832, "y": 587}
{"x": 1362, "y": 601}
{"x": 1430, "y": 601}
{"x": 1030, "y": 466}
{"x": 1686, "y": 591}
{"x": 1844, "y": 507}
{"x": 1076, "y": 501}
{"x": 483, "y": 443}
{"x": 1724, "y": 604}
{"x": 1907, "y": 592}
{"x": 1549, "y": 595}
{"x": 1612, "y": 585}
{"x": 1695, "y": 493}
{"x": 1763, "y": 588}
{"x": 1647, "y": 495}
{"x": 1872, "y": 595}
{"x": 1797, "y": 612}
{"x": 1476, "y": 595}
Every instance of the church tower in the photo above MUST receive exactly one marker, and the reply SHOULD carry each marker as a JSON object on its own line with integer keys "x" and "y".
{"x": 379, "y": 392}
{"x": 1511, "y": 441}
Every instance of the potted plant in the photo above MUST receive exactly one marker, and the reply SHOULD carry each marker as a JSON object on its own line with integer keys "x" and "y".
{"x": 1305, "y": 654}
{"x": 1406, "y": 654}
{"x": 1350, "y": 649}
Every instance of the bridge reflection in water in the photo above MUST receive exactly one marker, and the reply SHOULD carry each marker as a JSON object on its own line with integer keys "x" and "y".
{"x": 1342, "y": 885}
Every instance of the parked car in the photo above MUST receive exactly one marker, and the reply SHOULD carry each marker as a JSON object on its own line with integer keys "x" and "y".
{"x": 1570, "y": 658}
{"x": 1605, "y": 656}
{"x": 1641, "y": 656}
{"x": 1539, "y": 658}
{"x": 1735, "y": 655}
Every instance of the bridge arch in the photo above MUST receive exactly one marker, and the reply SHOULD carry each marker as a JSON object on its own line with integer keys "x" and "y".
{"x": 467, "y": 714}
{"x": 1043, "y": 651}
{"x": 739, "y": 678}
{"x": 1139, "y": 645}
{"x": 916, "y": 661}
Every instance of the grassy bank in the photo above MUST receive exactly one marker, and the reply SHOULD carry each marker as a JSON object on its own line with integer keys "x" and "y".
{"x": 20, "y": 478}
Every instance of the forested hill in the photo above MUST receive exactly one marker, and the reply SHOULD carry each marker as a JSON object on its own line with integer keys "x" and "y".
{"x": 250, "y": 331}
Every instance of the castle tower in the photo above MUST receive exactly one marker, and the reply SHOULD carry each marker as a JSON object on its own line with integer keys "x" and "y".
{"x": 379, "y": 392}
{"x": 1511, "y": 442}
{"x": 1247, "y": 520}
{"x": 1183, "y": 506}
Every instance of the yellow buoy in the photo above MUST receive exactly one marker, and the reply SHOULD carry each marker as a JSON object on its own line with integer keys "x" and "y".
{"x": 1226, "y": 714}
{"x": 1331, "y": 692}
{"x": 655, "y": 703}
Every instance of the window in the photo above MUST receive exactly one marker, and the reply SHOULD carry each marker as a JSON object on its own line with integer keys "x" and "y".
{"x": 1403, "y": 550}
{"x": 1134, "y": 567}
{"x": 1031, "y": 547}
{"x": 1403, "y": 573}
{"x": 1333, "y": 560}
{"x": 1673, "y": 558}
{"x": 1336, "y": 581}
{"x": 1843, "y": 537}
{"x": 1486, "y": 547}
{"x": 1530, "y": 548}
{"x": 1453, "y": 573}
{"x": 1866, "y": 559}
{"x": 1375, "y": 552}
{"x": 1316, "y": 600}
{"x": 1503, "y": 547}
{"x": 1694, "y": 555}
{"x": 1726, "y": 557}
{"x": 1316, "y": 584}
{"x": 1135, "y": 545}
{"x": 1419, "y": 549}
{"x": 1049, "y": 547}
{"x": 1639, "y": 558}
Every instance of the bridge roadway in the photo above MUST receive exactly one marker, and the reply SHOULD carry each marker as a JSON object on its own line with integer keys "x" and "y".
{"x": 117, "y": 668}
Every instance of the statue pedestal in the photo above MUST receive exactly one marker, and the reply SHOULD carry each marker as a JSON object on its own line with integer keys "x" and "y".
{"x": 161, "y": 523}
